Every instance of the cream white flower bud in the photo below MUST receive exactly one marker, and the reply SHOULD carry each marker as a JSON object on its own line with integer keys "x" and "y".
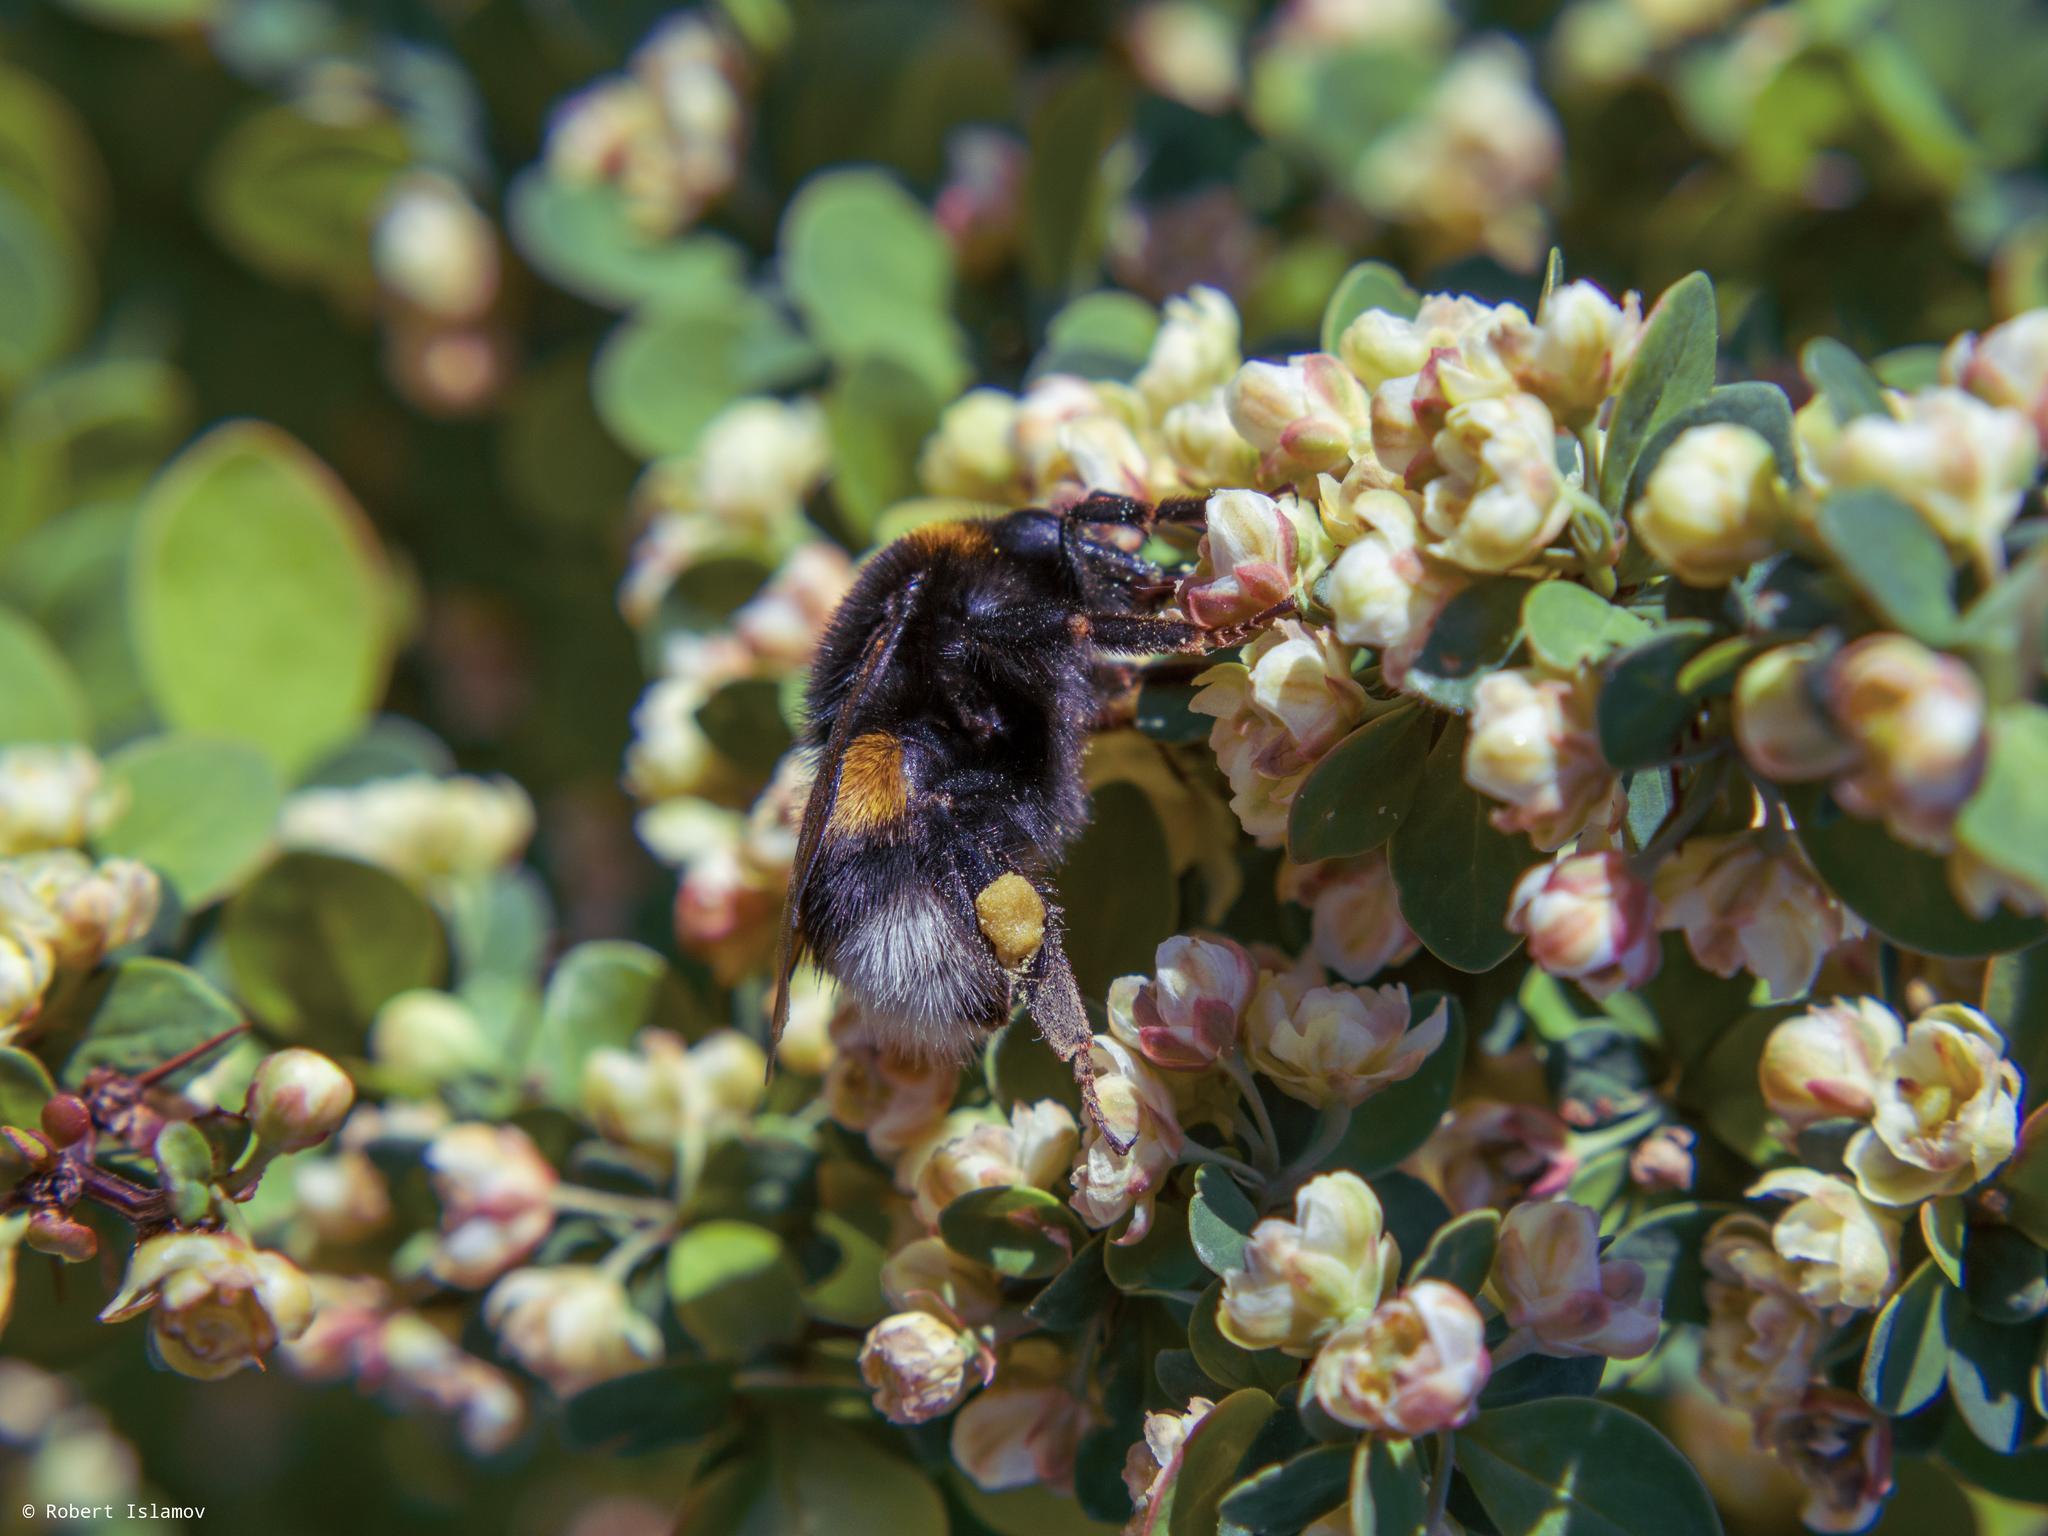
{"x": 1025, "y": 1428}
{"x": 1558, "y": 1293}
{"x": 1304, "y": 1279}
{"x": 1356, "y": 927}
{"x": 219, "y": 1304}
{"x": 1918, "y": 715}
{"x": 342, "y": 1198}
{"x": 1946, "y": 1111}
{"x": 1154, "y": 1461}
{"x": 1840, "y": 1450}
{"x": 1578, "y": 351}
{"x": 1502, "y": 497}
{"x": 1385, "y": 592}
{"x": 1034, "y": 1149}
{"x": 971, "y": 454}
{"x": 497, "y": 1201}
{"x": 1762, "y": 1336}
{"x": 1339, "y": 1045}
{"x": 298, "y": 1099}
{"x": 418, "y": 1367}
{"x": 1825, "y": 1064}
{"x": 1194, "y": 351}
{"x": 51, "y": 797}
{"x": 26, "y": 968}
{"x": 1189, "y": 1014}
{"x": 1711, "y": 506}
{"x": 427, "y": 1036}
{"x": 572, "y": 1325}
{"x": 1308, "y": 412}
{"x": 1587, "y": 917}
{"x": 1415, "y": 1365}
{"x": 2007, "y": 365}
{"x": 1781, "y": 719}
{"x": 927, "y": 1275}
{"x": 1535, "y": 743}
{"x": 1845, "y": 1251}
{"x": 435, "y": 248}
{"x": 1743, "y": 905}
{"x": 1486, "y": 1155}
{"x": 1139, "y": 1108}
{"x": 1249, "y": 550}
{"x": 418, "y": 827}
{"x": 1204, "y": 444}
{"x": 916, "y": 1367}
{"x": 896, "y": 1100}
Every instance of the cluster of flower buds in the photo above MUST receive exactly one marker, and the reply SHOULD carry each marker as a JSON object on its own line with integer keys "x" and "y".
{"x": 427, "y": 831}
{"x": 61, "y": 912}
{"x": 435, "y": 253}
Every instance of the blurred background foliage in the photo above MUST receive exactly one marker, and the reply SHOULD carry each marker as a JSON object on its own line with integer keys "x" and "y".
{"x": 188, "y": 193}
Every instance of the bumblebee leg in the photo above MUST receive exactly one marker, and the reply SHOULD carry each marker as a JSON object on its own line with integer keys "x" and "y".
{"x": 1063, "y": 1024}
{"x": 1137, "y": 634}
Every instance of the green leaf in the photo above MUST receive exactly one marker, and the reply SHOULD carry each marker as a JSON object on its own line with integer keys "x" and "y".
{"x": 1033, "y": 1511}
{"x": 1369, "y": 285}
{"x": 1894, "y": 558}
{"x": 259, "y": 597}
{"x": 1292, "y": 1494}
{"x": 1907, "y": 1357}
{"x": 604, "y": 992}
{"x": 154, "y": 1010}
{"x": 317, "y": 944}
{"x": 1453, "y": 870}
{"x": 40, "y": 698}
{"x": 1568, "y": 624}
{"x": 743, "y": 720}
{"x": 1356, "y": 797}
{"x": 850, "y": 1296}
{"x": 1836, "y": 372}
{"x": 1117, "y": 889}
{"x": 2006, "y": 822}
{"x": 1576, "y": 1467}
{"x": 1988, "y": 1368}
{"x": 47, "y": 278}
{"x": 873, "y": 276}
{"x": 1077, "y": 1294}
{"x": 1063, "y": 190}
{"x": 25, "y": 1087}
{"x": 2016, "y": 1000}
{"x": 631, "y": 1415}
{"x": 824, "y": 1479}
{"x": 1641, "y": 710}
{"x": 1722, "y": 1085}
{"x": 1673, "y": 367}
{"x": 1461, "y": 1253}
{"x": 580, "y": 238}
{"x": 1220, "y": 1219}
{"x": 734, "y": 1288}
{"x": 1667, "y": 1244}
{"x": 1018, "y": 1231}
{"x": 1900, "y": 891}
{"x": 1412, "y": 1210}
{"x": 1941, "y": 1224}
{"x": 661, "y": 377}
{"x": 1208, "y": 1463}
{"x": 881, "y": 413}
{"x": 1162, "y": 1262}
{"x": 1388, "y": 1494}
{"x": 2003, "y": 1272}
{"x": 1758, "y": 406}
{"x": 1163, "y": 714}
{"x": 1224, "y": 1362}
{"x": 1533, "y": 1378}
{"x": 1693, "y": 1007}
{"x": 201, "y": 812}
{"x": 2022, "y": 1477}
{"x": 1474, "y": 634}
{"x": 292, "y": 197}
{"x": 1102, "y": 335}
{"x": 1394, "y": 1122}
{"x": 1908, "y": 368}
{"x": 2005, "y": 633}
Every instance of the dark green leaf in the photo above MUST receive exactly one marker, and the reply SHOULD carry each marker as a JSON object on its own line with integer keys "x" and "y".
{"x": 1900, "y": 891}
{"x": 1758, "y": 406}
{"x": 1117, "y": 889}
{"x": 1907, "y": 1358}
{"x": 1412, "y": 1210}
{"x": 1394, "y": 1122}
{"x": 1078, "y": 121}
{"x": 1568, "y": 624}
{"x": 1018, "y": 1231}
{"x": 1163, "y": 1261}
{"x": 1077, "y": 1294}
{"x": 851, "y": 1295}
{"x": 1722, "y": 1086}
{"x": 1667, "y": 1244}
{"x": 154, "y": 1010}
{"x": 1641, "y": 710}
{"x": 1208, "y": 1463}
{"x": 1673, "y": 367}
{"x": 1895, "y": 559}
{"x": 1220, "y": 1218}
{"x": 630, "y": 1415}
{"x": 2016, "y": 999}
{"x": 1575, "y": 1467}
{"x": 580, "y": 237}
{"x": 1223, "y": 1361}
{"x": 1388, "y": 1493}
{"x": 1988, "y": 1367}
{"x": 1836, "y": 372}
{"x": 1163, "y": 714}
{"x": 1692, "y": 1005}
{"x": 1535, "y": 1377}
{"x": 1453, "y": 870}
{"x": 1461, "y": 1253}
{"x": 40, "y": 696}
{"x": 744, "y": 721}
{"x": 1357, "y": 795}
{"x": 735, "y": 1288}
{"x": 1474, "y": 634}
{"x": 1292, "y": 1494}
{"x": 1941, "y": 1224}
{"x": 881, "y": 413}
{"x": 2022, "y": 1477}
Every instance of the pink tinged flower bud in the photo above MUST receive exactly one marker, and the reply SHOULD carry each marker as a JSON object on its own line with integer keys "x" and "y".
{"x": 572, "y": 1325}
{"x": 916, "y": 1367}
{"x": 1840, "y": 1450}
{"x": 1487, "y": 1155}
{"x": 1340, "y": 1045}
{"x": 1154, "y": 1461}
{"x": 1027, "y": 1427}
{"x": 1710, "y": 508}
{"x": 1947, "y": 1111}
{"x": 1415, "y": 1365}
{"x": 342, "y": 1198}
{"x": 2007, "y": 365}
{"x": 1781, "y": 721}
{"x": 1303, "y": 1279}
{"x": 497, "y": 1201}
{"x": 1502, "y": 497}
{"x": 895, "y": 1099}
{"x": 1587, "y": 917}
{"x": 1307, "y": 412}
{"x": 1035, "y": 1148}
{"x": 1824, "y": 1064}
{"x": 1762, "y": 1336}
{"x": 1249, "y": 552}
{"x": 434, "y": 248}
{"x": 1742, "y": 906}
{"x": 1665, "y": 1159}
{"x": 61, "y": 1236}
{"x": 1578, "y": 352}
{"x": 1557, "y": 1292}
{"x": 298, "y": 1099}
{"x": 1535, "y": 744}
{"x": 1846, "y": 1252}
{"x": 219, "y": 1304}
{"x": 1204, "y": 445}
{"x": 1356, "y": 927}
{"x": 1189, "y": 1015}
{"x": 1139, "y": 1108}
{"x": 1919, "y": 717}
{"x": 1193, "y": 352}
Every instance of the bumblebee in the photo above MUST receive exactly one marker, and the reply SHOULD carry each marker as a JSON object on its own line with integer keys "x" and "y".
{"x": 948, "y": 709}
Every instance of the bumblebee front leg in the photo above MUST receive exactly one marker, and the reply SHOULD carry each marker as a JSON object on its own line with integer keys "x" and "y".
{"x": 1137, "y": 634}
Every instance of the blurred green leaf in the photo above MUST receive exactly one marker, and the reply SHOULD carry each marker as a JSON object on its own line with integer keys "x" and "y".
{"x": 851, "y": 1296}
{"x": 1355, "y": 798}
{"x": 1461, "y": 1253}
{"x": 154, "y": 1010}
{"x": 1722, "y": 1084}
{"x": 1453, "y": 870}
{"x": 2003, "y": 1272}
{"x": 2016, "y": 1000}
{"x": 1894, "y": 558}
{"x": 1369, "y": 285}
{"x": 1388, "y": 1493}
{"x": 581, "y": 238}
{"x": 2006, "y": 822}
{"x": 604, "y": 992}
{"x": 1839, "y": 374}
{"x": 1567, "y": 624}
{"x": 734, "y": 1288}
{"x": 1017, "y": 1231}
{"x": 47, "y": 278}
{"x": 1077, "y": 1293}
{"x": 1162, "y": 1262}
{"x": 1667, "y": 1244}
{"x": 69, "y": 575}
{"x": 1220, "y": 1219}
{"x": 25, "y": 1087}
{"x": 661, "y": 376}
{"x": 1073, "y": 128}
{"x": 1102, "y": 335}
{"x": 880, "y": 413}
{"x": 1476, "y": 632}
{"x": 1988, "y": 1367}
{"x": 743, "y": 720}
{"x": 1575, "y": 1467}
{"x": 1673, "y": 367}
{"x": 40, "y": 699}
{"x": 1117, "y": 890}
{"x": 631, "y": 1415}
{"x": 201, "y": 812}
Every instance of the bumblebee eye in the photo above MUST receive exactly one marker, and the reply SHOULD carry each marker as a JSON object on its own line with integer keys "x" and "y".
{"x": 1031, "y": 534}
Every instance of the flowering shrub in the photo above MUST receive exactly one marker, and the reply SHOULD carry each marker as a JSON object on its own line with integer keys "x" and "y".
{"x": 1568, "y": 993}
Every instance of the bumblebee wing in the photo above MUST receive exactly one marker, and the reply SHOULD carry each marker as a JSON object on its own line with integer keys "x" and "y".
{"x": 874, "y": 662}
